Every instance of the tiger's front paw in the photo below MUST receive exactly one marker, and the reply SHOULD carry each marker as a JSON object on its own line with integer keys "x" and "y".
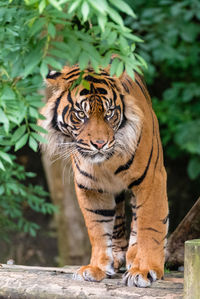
{"x": 89, "y": 273}
{"x": 138, "y": 278}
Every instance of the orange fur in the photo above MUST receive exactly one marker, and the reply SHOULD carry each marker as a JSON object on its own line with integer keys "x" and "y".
{"x": 112, "y": 135}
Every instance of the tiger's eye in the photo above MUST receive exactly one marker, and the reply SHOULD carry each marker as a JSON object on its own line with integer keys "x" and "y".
{"x": 109, "y": 113}
{"x": 81, "y": 114}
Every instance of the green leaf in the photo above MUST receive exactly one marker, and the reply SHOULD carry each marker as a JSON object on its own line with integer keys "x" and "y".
{"x": 194, "y": 168}
{"x": 143, "y": 62}
{"x": 83, "y": 60}
{"x": 116, "y": 17}
{"x": 4, "y": 119}
{"x": 5, "y": 157}
{"x": 8, "y": 93}
{"x": 44, "y": 69}
{"x": 120, "y": 68}
{"x": 42, "y": 6}
{"x": 33, "y": 112}
{"x": 33, "y": 144}
{"x": 100, "y": 6}
{"x": 18, "y": 133}
{"x": 2, "y": 166}
{"x": 86, "y": 84}
{"x": 55, "y": 3}
{"x": 2, "y": 190}
{"x": 51, "y": 30}
{"x": 124, "y": 7}
{"x": 114, "y": 66}
{"x": 38, "y": 137}
{"x": 38, "y": 128}
{"x": 85, "y": 9}
{"x": 73, "y": 6}
{"x": 102, "y": 20}
{"x": 21, "y": 142}
{"x": 54, "y": 63}
{"x": 129, "y": 71}
{"x": 37, "y": 26}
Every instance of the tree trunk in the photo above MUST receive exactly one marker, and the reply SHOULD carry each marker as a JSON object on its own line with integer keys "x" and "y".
{"x": 188, "y": 229}
{"x": 73, "y": 243}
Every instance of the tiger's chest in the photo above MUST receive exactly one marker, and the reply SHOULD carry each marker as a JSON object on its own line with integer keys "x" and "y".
{"x": 101, "y": 177}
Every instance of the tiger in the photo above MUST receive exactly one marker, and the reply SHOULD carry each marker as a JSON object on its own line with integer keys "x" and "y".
{"x": 111, "y": 133}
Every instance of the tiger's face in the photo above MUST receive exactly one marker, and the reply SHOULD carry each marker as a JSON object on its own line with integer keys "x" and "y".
{"x": 95, "y": 123}
{"x": 91, "y": 117}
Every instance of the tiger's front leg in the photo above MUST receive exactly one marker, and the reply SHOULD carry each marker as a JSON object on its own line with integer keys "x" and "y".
{"x": 145, "y": 256}
{"x": 99, "y": 213}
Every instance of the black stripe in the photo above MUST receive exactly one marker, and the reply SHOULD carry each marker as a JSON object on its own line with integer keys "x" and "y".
{"x": 156, "y": 241}
{"x": 105, "y": 213}
{"x": 65, "y": 111}
{"x": 119, "y": 225}
{"x": 125, "y": 166}
{"x": 129, "y": 162}
{"x": 152, "y": 229}
{"x": 164, "y": 221}
{"x": 70, "y": 98}
{"x": 120, "y": 198}
{"x": 54, "y": 119}
{"x": 158, "y": 153}
{"x": 107, "y": 235}
{"x": 142, "y": 89}
{"x": 103, "y": 220}
{"x": 95, "y": 80}
{"x": 73, "y": 71}
{"x": 84, "y": 173}
{"x": 53, "y": 76}
{"x": 84, "y": 92}
{"x": 114, "y": 95}
{"x": 124, "y": 119}
{"x": 74, "y": 75}
{"x": 85, "y": 188}
{"x": 141, "y": 178}
{"x": 101, "y": 90}
{"x": 125, "y": 87}
{"x": 119, "y": 217}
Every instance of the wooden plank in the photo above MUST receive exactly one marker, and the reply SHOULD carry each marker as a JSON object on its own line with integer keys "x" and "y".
{"x": 192, "y": 270}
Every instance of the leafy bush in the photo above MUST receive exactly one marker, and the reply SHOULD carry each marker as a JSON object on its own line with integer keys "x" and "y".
{"x": 36, "y": 35}
{"x": 171, "y": 32}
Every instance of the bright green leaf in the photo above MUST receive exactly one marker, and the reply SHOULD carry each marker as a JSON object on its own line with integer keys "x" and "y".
{"x": 21, "y": 142}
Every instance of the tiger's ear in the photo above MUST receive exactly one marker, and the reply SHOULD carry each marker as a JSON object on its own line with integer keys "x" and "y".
{"x": 53, "y": 78}
{"x": 56, "y": 79}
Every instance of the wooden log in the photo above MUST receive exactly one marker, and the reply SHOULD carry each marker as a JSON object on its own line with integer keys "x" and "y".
{"x": 188, "y": 229}
{"x": 192, "y": 270}
{"x": 22, "y": 282}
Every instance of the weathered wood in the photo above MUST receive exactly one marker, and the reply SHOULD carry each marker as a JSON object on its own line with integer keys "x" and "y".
{"x": 73, "y": 242}
{"x": 22, "y": 282}
{"x": 192, "y": 270}
{"x": 188, "y": 229}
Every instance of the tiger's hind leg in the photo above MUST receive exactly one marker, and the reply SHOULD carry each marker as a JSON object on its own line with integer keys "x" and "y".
{"x": 119, "y": 240}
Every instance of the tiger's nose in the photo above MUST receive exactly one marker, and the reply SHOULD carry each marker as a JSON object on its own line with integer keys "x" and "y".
{"x": 98, "y": 143}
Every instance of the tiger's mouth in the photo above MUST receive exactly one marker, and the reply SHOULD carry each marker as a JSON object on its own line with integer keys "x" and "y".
{"x": 96, "y": 156}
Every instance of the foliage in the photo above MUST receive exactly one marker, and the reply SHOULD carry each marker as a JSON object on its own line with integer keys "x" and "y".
{"x": 15, "y": 195}
{"x": 171, "y": 32}
{"x": 36, "y": 35}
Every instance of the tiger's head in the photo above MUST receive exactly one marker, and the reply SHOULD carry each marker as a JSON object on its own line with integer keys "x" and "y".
{"x": 90, "y": 121}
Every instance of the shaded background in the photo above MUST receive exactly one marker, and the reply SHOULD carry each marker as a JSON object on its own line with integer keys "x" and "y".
{"x": 170, "y": 30}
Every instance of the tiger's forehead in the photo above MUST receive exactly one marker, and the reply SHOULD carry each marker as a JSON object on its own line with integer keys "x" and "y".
{"x": 100, "y": 95}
